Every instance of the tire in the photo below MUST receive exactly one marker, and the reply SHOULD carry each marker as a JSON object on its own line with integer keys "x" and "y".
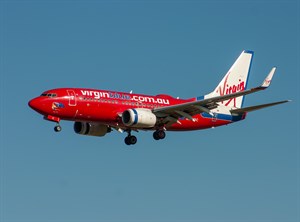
{"x": 132, "y": 140}
{"x": 127, "y": 141}
{"x": 161, "y": 134}
{"x": 155, "y": 135}
{"x": 57, "y": 128}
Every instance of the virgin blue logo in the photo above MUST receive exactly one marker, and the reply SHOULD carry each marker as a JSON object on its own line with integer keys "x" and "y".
{"x": 57, "y": 105}
{"x": 230, "y": 89}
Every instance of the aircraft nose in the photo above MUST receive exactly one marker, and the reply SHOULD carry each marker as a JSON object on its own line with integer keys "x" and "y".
{"x": 35, "y": 104}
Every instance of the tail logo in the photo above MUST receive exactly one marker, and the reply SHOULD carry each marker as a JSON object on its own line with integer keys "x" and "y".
{"x": 229, "y": 89}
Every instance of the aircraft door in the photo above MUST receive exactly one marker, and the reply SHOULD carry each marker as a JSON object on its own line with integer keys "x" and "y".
{"x": 72, "y": 97}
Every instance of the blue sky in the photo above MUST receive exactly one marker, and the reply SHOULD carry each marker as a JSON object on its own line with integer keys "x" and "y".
{"x": 248, "y": 171}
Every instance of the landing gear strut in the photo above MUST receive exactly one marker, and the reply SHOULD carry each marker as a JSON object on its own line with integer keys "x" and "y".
{"x": 55, "y": 119}
{"x": 130, "y": 140}
{"x": 159, "y": 134}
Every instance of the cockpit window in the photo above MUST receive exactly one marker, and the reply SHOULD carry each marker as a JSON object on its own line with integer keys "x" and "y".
{"x": 49, "y": 94}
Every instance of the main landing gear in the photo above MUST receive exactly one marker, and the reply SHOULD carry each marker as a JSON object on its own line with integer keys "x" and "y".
{"x": 159, "y": 134}
{"x": 130, "y": 140}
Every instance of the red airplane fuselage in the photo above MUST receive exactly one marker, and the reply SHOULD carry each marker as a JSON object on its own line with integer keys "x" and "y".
{"x": 106, "y": 107}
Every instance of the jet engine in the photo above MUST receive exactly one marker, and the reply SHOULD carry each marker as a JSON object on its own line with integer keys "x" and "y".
{"x": 91, "y": 129}
{"x": 138, "y": 118}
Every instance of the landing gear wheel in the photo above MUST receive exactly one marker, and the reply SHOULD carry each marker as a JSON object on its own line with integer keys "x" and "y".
{"x": 159, "y": 135}
{"x": 155, "y": 135}
{"x": 126, "y": 140}
{"x": 57, "y": 128}
{"x": 130, "y": 140}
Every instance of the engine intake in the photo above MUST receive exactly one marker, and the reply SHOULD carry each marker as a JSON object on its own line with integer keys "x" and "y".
{"x": 138, "y": 118}
{"x": 90, "y": 129}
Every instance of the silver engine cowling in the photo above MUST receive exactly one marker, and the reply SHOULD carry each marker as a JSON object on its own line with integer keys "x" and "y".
{"x": 91, "y": 129}
{"x": 139, "y": 118}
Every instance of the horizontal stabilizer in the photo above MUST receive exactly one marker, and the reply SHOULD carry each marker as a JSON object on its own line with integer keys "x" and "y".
{"x": 253, "y": 108}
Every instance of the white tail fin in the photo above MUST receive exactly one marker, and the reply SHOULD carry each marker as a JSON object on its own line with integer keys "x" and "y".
{"x": 235, "y": 80}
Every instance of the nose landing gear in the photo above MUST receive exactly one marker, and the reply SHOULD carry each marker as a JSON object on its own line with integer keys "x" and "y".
{"x": 55, "y": 119}
{"x": 57, "y": 128}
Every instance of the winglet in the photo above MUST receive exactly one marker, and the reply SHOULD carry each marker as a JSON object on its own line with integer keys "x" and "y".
{"x": 266, "y": 83}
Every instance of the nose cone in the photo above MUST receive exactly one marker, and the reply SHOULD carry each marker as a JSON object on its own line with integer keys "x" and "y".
{"x": 36, "y": 105}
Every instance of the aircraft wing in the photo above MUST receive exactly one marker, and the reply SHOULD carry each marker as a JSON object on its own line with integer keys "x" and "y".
{"x": 187, "y": 110}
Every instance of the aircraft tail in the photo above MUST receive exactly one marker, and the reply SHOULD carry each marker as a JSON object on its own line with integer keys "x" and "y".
{"x": 257, "y": 107}
{"x": 235, "y": 80}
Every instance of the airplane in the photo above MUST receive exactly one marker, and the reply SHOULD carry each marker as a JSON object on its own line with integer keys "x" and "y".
{"x": 98, "y": 112}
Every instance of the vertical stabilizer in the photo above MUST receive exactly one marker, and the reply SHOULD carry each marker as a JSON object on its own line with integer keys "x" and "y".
{"x": 235, "y": 80}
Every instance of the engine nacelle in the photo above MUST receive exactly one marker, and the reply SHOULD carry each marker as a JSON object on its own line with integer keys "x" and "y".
{"x": 90, "y": 129}
{"x": 138, "y": 118}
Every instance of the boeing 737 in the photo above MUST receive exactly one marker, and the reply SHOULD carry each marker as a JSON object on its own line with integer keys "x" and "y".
{"x": 98, "y": 112}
